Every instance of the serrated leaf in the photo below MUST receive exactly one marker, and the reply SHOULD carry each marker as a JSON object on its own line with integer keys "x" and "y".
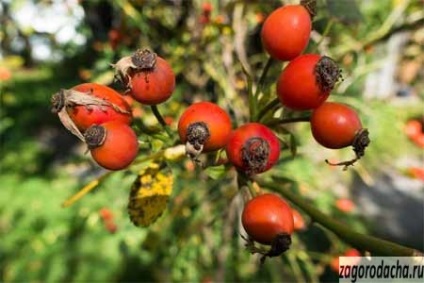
{"x": 346, "y": 11}
{"x": 216, "y": 172}
{"x": 149, "y": 194}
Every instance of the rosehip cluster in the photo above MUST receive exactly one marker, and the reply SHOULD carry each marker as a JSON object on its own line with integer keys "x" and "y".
{"x": 308, "y": 79}
{"x": 204, "y": 127}
{"x": 100, "y": 116}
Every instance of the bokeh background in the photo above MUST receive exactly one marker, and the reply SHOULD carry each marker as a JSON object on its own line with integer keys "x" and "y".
{"x": 49, "y": 45}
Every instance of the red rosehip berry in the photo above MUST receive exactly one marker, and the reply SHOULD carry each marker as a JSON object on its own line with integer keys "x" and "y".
{"x": 336, "y": 125}
{"x": 204, "y": 127}
{"x": 286, "y": 31}
{"x": 268, "y": 220}
{"x": 113, "y": 145}
{"x": 307, "y": 81}
{"x": 90, "y": 103}
{"x": 253, "y": 148}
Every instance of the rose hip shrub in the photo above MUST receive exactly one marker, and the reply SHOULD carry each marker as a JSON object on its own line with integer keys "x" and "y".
{"x": 212, "y": 156}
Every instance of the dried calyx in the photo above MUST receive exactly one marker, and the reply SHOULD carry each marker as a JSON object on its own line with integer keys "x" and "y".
{"x": 197, "y": 136}
{"x": 255, "y": 154}
{"x": 279, "y": 245}
{"x": 95, "y": 136}
{"x": 71, "y": 97}
{"x": 327, "y": 73}
{"x": 144, "y": 59}
{"x": 359, "y": 144}
{"x": 58, "y": 101}
{"x": 140, "y": 60}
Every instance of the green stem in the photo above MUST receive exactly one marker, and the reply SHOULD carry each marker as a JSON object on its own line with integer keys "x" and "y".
{"x": 289, "y": 120}
{"x": 243, "y": 181}
{"x": 263, "y": 77}
{"x": 325, "y": 32}
{"x": 372, "y": 244}
{"x": 272, "y": 104}
{"x": 253, "y": 99}
{"x": 160, "y": 119}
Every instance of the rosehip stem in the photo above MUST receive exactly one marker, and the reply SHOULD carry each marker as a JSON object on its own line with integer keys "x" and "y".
{"x": 270, "y": 106}
{"x": 362, "y": 242}
{"x": 160, "y": 119}
{"x": 326, "y": 31}
{"x": 289, "y": 120}
{"x": 262, "y": 78}
{"x": 253, "y": 98}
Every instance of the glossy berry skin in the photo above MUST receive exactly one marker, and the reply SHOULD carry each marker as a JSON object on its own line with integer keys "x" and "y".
{"x": 85, "y": 116}
{"x": 155, "y": 85}
{"x": 299, "y": 222}
{"x": 119, "y": 147}
{"x": 335, "y": 125}
{"x": 217, "y": 121}
{"x": 286, "y": 31}
{"x": 265, "y": 217}
{"x": 298, "y": 86}
{"x": 246, "y": 140}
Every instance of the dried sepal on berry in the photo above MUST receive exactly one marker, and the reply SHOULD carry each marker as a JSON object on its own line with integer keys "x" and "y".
{"x": 58, "y": 102}
{"x": 279, "y": 245}
{"x": 359, "y": 144}
{"x": 140, "y": 60}
{"x": 68, "y": 98}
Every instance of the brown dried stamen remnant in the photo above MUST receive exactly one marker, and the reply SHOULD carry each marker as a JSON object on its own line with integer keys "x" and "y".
{"x": 255, "y": 153}
{"x": 197, "y": 135}
{"x": 359, "y": 144}
{"x": 327, "y": 73}
{"x": 279, "y": 245}
{"x": 144, "y": 60}
{"x": 95, "y": 136}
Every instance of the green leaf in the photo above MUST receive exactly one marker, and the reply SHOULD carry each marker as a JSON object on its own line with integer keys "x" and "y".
{"x": 346, "y": 11}
{"x": 216, "y": 172}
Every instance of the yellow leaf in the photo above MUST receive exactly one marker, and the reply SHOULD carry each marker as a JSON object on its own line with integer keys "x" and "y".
{"x": 149, "y": 194}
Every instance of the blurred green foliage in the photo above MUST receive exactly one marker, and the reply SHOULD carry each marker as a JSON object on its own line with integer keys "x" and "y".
{"x": 197, "y": 239}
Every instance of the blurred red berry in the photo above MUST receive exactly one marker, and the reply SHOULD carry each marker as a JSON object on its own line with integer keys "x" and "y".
{"x": 111, "y": 227}
{"x": 345, "y": 205}
{"x": 106, "y": 214}
{"x": 334, "y": 264}
{"x": 419, "y": 140}
{"x": 412, "y": 128}
{"x": 416, "y": 172}
{"x": 207, "y": 7}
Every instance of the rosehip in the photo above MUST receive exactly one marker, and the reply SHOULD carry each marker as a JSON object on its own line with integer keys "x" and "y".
{"x": 268, "y": 220}
{"x": 89, "y": 104}
{"x": 113, "y": 145}
{"x": 204, "y": 127}
{"x": 306, "y": 82}
{"x": 148, "y": 77}
{"x": 286, "y": 31}
{"x": 253, "y": 148}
